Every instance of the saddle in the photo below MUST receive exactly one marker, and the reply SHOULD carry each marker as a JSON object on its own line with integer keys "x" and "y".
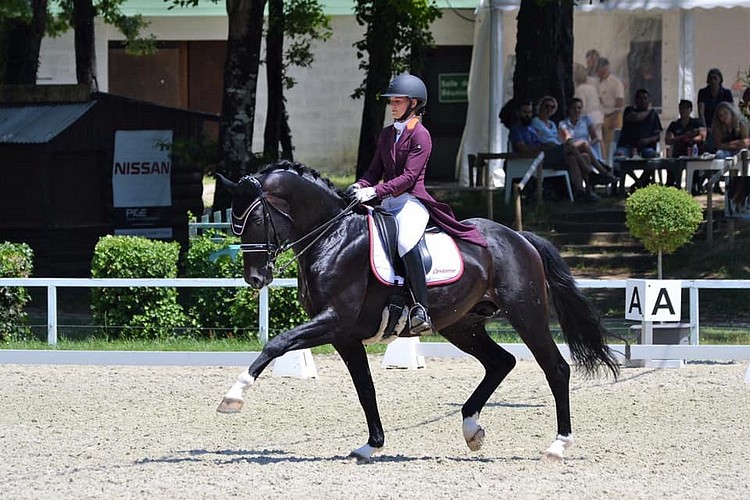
{"x": 441, "y": 259}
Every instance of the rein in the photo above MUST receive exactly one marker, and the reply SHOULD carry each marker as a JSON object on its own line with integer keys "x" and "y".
{"x": 273, "y": 250}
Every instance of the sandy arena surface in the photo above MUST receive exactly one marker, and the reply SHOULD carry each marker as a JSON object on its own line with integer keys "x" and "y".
{"x": 75, "y": 432}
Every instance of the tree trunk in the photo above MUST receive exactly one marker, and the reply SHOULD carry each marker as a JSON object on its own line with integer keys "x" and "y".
{"x": 380, "y": 53}
{"x": 274, "y": 76}
{"x": 83, "y": 23}
{"x": 240, "y": 84}
{"x": 286, "y": 135}
{"x": 19, "y": 46}
{"x": 544, "y": 53}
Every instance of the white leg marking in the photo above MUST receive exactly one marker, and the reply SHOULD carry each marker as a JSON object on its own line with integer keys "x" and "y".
{"x": 473, "y": 432}
{"x": 243, "y": 382}
{"x": 364, "y": 453}
{"x": 556, "y": 450}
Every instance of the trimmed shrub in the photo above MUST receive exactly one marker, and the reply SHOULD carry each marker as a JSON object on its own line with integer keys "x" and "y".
{"x": 16, "y": 261}
{"x": 138, "y": 312}
{"x": 234, "y": 311}
{"x": 663, "y": 218}
{"x": 214, "y": 309}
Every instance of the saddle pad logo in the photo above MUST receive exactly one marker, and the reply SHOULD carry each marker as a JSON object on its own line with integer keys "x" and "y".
{"x": 447, "y": 261}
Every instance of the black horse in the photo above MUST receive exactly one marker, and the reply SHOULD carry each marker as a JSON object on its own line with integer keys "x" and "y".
{"x": 288, "y": 205}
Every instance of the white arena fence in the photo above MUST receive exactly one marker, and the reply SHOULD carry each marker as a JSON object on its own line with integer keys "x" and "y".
{"x": 693, "y": 351}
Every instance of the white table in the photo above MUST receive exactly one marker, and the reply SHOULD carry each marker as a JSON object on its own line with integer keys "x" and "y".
{"x": 697, "y": 163}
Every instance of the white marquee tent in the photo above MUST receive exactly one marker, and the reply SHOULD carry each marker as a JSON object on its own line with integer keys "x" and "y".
{"x": 693, "y": 36}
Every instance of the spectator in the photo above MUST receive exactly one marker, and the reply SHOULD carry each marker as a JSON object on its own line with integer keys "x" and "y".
{"x": 709, "y": 98}
{"x": 612, "y": 96}
{"x": 523, "y": 138}
{"x": 580, "y": 130}
{"x": 730, "y": 130}
{"x": 682, "y": 134}
{"x": 589, "y": 96}
{"x": 641, "y": 129}
{"x": 592, "y": 60}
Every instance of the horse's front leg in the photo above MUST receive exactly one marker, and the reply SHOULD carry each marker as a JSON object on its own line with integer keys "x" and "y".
{"x": 318, "y": 331}
{"x": 355, "y": 358}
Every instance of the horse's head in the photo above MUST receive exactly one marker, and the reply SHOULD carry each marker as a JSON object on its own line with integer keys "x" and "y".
{"x": 263, "y": 225}
{"x": 286, "y": 205}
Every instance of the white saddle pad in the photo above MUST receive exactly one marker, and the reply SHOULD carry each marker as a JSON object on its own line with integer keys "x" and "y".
{"x": 447, "y": 261}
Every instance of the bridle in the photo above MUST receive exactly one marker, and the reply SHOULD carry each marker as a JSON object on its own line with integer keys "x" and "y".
{"x": 274, "y": 246}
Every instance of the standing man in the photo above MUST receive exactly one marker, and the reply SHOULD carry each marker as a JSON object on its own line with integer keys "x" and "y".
{"x": 612, "y": 95}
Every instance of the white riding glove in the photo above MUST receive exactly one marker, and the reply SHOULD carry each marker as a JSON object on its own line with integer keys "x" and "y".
{"x": 352, "y": 190}
{"x": 365, "y": 194}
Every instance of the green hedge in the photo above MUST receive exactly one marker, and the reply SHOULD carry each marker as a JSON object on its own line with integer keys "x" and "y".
{"x": 233, "y": 312}
{"x": 137, "y": 312}
{"x": 16, "y": 261}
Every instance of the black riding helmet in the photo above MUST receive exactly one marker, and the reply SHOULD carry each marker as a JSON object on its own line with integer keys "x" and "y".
{"x": 408, "y": 86}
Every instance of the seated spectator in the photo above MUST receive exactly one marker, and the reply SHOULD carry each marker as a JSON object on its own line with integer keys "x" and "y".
{"x": 640, "y": 134}
{"x": 641, "y": 129}
{"x": 557, "y": 156}
{"x": 730, "y": 131}
{"x": 682, "y": 134}
{"x": 581, "y": 131}
{"x": 709, "y": 97}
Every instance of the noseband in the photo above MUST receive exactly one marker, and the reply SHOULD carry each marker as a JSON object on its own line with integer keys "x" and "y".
{"x": 274, "y": 246}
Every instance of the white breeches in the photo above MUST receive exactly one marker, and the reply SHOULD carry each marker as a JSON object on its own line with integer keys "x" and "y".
{"x": 411, "y": 217}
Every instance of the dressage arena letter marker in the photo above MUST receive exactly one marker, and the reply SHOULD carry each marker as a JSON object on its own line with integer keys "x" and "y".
{"x": 653, "y": 300}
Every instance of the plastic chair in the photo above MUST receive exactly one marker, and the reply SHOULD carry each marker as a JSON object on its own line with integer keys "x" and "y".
{"x": 516, "y": 168}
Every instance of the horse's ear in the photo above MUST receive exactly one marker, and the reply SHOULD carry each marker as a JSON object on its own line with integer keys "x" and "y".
{"x": 230, "y": 186}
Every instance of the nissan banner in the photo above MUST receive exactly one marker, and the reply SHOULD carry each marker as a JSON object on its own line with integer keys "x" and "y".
{"x": 141, "y": 189}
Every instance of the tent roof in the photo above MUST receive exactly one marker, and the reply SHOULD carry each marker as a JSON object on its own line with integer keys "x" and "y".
{"x": 158, "y": 8}
{"x": 38, "y": 124}
{"x": 597, "y": 5}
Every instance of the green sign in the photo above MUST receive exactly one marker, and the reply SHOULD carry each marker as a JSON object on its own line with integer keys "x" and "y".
{"x": 453, "y": 87}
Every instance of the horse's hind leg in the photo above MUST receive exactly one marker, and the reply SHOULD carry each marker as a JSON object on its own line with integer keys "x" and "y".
{"x": 473, "y": 339}
{"x": 536, "y": 335}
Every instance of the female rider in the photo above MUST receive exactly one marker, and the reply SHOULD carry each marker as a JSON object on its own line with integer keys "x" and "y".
{"x": 400, "y": 161}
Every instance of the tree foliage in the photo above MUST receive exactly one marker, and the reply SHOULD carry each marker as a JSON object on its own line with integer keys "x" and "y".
{"x": 24, "y": 23}
{"x": 663, "y": 218}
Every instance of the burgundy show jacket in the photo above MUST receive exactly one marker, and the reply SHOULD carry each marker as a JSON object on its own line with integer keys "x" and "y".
{"x": 402, "y": 170}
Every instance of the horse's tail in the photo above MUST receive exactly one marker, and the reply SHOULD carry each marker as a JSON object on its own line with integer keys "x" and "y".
{"x": 580, "y": 322}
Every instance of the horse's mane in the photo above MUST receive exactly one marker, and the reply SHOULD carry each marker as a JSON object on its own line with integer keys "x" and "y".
{"x": 303, "y": 171}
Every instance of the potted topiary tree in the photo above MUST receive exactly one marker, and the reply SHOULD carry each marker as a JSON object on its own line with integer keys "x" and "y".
{"x": 662, "y": 218}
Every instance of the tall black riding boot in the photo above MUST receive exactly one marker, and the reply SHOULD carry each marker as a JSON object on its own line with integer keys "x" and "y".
{"x": 419, "y": 321}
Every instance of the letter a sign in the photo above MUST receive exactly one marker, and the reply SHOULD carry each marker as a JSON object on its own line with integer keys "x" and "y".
{"x": 653, "y": 300}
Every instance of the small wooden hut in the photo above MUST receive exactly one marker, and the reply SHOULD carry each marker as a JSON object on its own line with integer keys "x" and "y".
{"x": 56, "y": 165}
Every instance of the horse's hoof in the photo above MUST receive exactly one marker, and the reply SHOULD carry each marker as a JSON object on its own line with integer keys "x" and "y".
{"x": 364, "y": 453}
{"x": 476, "y": 441}
{"x": 552, "y": 457}
{"x": 361, "y": 459}
{"x": 228, "y": 405}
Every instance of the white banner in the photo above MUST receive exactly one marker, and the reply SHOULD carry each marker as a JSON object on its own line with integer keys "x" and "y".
{"x": 141, "y": 168}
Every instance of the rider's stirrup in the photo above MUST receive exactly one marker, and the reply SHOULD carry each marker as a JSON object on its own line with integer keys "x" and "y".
{"x": 419, "y": 321}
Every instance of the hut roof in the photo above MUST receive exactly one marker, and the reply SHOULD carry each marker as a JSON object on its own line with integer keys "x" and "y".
{"x": 38, "y": 124}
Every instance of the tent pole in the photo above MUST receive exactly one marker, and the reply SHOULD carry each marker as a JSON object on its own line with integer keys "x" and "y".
{"x": 495, "y": 143}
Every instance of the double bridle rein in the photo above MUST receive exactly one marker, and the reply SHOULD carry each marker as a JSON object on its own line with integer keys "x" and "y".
{"x": 274, "y": 246}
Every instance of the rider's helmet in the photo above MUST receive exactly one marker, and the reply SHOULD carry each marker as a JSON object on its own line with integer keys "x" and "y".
{"x": 408, "y": 86}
